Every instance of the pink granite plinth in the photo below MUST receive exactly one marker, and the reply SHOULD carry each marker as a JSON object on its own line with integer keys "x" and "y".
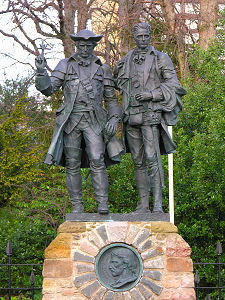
{"x": 69, "y": 268}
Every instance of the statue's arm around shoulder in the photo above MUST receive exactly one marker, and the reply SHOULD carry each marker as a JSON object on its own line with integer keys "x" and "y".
{"x": 109, "y": 94}
{"x": 48, "y": 85}
{"x": 117, "y": 69}
{"x": 107, "y": 76}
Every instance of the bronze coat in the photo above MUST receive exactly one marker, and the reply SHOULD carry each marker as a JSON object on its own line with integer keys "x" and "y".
{"x": 66, "y": 75}
{"x": 165, "y": 89}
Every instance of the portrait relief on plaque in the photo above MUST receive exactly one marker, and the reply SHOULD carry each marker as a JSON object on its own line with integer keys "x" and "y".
{"x": 119, "y": 267}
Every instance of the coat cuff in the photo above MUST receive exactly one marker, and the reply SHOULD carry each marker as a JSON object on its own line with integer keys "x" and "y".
{"x": 157, "y": 95}
{"x": 42, "y": 82}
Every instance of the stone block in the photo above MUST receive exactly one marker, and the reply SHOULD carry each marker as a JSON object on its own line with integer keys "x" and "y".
{"x": 142, "y": 235}
{"x": 177, "y": 294}
{"x": 81, "y": 257}
{"x": 152, "y": 253}
{"x": 60, "y": 247}
{"x": 156, "y": 275}
{"x": 94, "y": 239}
{"x": 179, "y": 264}
{"x": 68, "y": 292}
{"x": 48, "y": 297}
{"x": 119, "y": 296}
{"x": 84, "y": 268}
{"x": 109, "y": 296}
{"x": 188, "y": 295}
{"x": 177, "y": 247}
{"x": 72, "y": 227}
{"x": 127, "y": 296}
{"x": 82, "y": 279}
{"x": 135, "y": 294}
{"x": 154, "y": 264}
{"x": 132, "y": 233}
{"x": 62, "y": 283}
{"x": 90, "y": 289}
{"x": 48, "y": 286}
{"x": 157, "y": 289}
{"x": 165, "y": 227}
{"x": 57, "y": 268}
{"x": 172, "y": 280}
{"x": 117, "y": 231}
{"x": 146, "y": 294}
{"x": 187, "y": 280}
{"x": 100, "y": 294}
{"x": 145, "y": 246}
{"x": 103, "y": 234}
{"x": 87, "y": 247}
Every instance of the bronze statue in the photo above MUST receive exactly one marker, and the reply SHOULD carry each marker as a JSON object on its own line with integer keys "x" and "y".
{"x": 84, "y": 134}
{"x": 150, "y": 101}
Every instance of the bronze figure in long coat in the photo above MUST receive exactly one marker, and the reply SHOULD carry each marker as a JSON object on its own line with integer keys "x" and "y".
{"x": 150, "y": 101}
{"x": 84, "y": 134}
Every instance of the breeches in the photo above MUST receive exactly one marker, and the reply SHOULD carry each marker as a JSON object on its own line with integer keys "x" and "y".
{"x": 95, "y": 147}
{"x": 141, "y": 143}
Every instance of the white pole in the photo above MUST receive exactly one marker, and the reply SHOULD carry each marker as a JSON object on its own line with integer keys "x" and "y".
{"x": 171, "y": 192}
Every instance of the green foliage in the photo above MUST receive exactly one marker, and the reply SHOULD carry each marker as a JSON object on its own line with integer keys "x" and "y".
{"x": 47, "y": 199}
{"x": 122, "y": 188}
{"x": 29, "y": 238}
{"x": 199, "y": 162}
{"x": 10, "y": 92}
{"x": 19, "y": 157}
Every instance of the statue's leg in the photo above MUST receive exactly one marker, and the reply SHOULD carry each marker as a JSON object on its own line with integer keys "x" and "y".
{"x": 153, "y": 165}
{"x": 72, "y": 153}
{"x": 136, "y": 146}
{"x": 95, "y": 149}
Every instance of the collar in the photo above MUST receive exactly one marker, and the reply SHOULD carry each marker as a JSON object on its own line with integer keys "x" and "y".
{"x": 93, "y": 58}
{"x": 151, "y": 50}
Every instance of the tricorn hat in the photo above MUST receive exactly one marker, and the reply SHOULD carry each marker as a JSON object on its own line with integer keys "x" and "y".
{"x": 86, "y": 34}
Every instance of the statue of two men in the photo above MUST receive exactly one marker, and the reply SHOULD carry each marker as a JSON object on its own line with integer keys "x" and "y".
{"x": 84, "y": 134}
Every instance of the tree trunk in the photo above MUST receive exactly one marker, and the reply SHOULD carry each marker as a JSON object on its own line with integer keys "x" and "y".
{"x": 70, "y": 7}
{"x": 129, "y": 14}
{"x": 175, "y": 31}
{"x": 82, "y": 15}
{"x": 207, "y": 22}
{"x": 68, "y": 26}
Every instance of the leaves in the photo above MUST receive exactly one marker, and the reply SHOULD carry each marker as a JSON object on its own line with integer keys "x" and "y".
{"x": 199, "y": 162}
{"x": 19, "y": 155}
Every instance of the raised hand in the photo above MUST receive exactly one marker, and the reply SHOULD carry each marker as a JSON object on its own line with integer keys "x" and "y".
{"x": 40, "y": 63}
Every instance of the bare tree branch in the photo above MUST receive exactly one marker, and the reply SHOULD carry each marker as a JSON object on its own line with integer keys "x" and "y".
{"x": 17, "y": 60}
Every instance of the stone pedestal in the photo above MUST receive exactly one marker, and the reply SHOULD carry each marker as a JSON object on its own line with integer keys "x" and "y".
{"x": 70, "y": 261}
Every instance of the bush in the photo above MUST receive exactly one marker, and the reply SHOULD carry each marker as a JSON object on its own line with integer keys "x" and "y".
{"x": 29, "y": 238}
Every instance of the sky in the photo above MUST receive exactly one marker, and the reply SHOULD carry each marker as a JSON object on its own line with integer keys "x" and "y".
{"x": 9, "y": 68}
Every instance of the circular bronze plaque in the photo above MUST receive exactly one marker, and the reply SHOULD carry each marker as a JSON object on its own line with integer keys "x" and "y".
{"x": 119, "y": 267}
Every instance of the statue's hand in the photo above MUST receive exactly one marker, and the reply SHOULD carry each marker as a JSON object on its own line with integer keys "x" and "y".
{"x": 111, "y": 126}
{"x": 143, "y": 96}
{"x": 40, "y": 63}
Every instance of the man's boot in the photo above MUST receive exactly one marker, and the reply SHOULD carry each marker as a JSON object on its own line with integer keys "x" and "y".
{"x": 74, "y": 186}
{"x": 156, "y": 185}
{"x": 100, "y": 185}
{"x": 157, "y": 199}
{"x": 78, "y": 206}
{"x": 143, "y": 190}
{"x": 157, "y": 194}
{"x": 74, "y": 179}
